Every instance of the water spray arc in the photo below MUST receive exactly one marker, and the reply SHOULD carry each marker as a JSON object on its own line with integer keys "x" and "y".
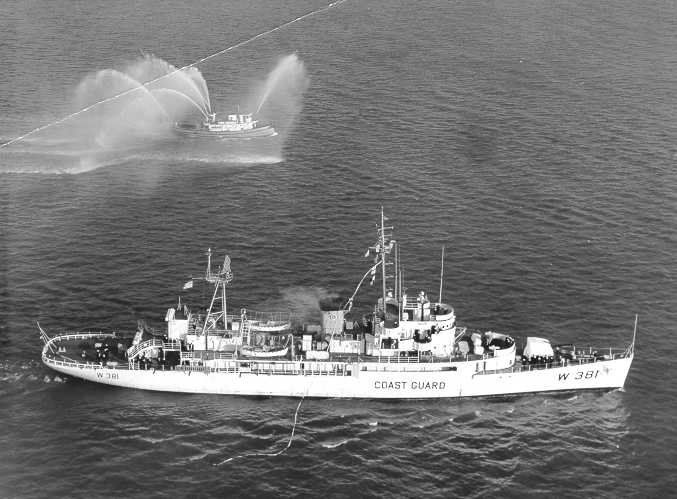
{"x": 273, "y": 80}
{"x": 170, "y": 91}
{"x": 142, "y": 116}
{"x": 145, "y": 84}
{"x": 105, "y": 75}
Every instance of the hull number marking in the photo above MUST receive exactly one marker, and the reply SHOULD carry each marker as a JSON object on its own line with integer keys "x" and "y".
{"x": 580, "y": 375}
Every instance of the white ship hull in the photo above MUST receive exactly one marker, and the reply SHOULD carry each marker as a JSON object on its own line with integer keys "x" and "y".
{"x": 409, "y": 348}
{"x": 263, "y": 131}
{"x": 236, "y": 126}
{"x": 340, "y": 380}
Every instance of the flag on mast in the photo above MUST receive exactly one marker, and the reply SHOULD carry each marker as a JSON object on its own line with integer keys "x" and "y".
{"x": 373, "y": 275}
{"x": 45, "y": 338}
{"x": 227, "y": 273}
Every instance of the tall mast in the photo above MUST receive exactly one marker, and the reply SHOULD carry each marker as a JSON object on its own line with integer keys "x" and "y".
{"x": 397, "y": 276}
{"x": 380, "y": 250}
{"x": 208, "y": 278}
{"x": 383, "y": 259}
{"x": 209, "y": 313}
{"x": 398, "y": 282}
{"x": 227, "y": 277}
{"x": 441, "y": 275}
{"x": 220, "y": 279}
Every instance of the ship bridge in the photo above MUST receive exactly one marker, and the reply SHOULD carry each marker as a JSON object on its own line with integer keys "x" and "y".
{"x": 413, "y": 309}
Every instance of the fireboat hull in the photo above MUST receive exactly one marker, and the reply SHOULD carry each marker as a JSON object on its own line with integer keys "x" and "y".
{"x": 202, "y": 132}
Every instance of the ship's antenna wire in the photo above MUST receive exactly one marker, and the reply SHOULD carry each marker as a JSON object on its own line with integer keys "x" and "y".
{"x": 271, "y": 454}
{"x": 349, "y": 303}
{"x": 441, "y": 275}
{"x": 145, "y": 84}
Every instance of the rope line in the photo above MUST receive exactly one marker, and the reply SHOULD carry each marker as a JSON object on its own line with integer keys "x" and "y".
{"x": 270, "y": 454}
{"x": 149, "y": 82}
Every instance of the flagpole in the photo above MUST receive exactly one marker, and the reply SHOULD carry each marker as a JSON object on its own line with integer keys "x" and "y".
{"x": 441, "y": 275}
{"x": 397, "y": 278}
{"x": 204, "y": 326}
{"x": 227, "y": 276}
{"x": 383, "y": 259}
{"x": 225, "y": 308}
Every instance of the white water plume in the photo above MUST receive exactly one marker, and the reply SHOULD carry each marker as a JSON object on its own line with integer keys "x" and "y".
{"x": 280, "y": 97}
{"x": 187, "y": 82}
{"x": 145, "y": 110}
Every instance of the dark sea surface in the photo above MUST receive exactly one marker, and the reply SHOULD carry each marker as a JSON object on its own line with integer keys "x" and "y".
{"x": 536, "y": 141}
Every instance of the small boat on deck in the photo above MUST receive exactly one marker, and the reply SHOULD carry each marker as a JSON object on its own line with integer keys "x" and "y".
{"x": 407, "y": 346}
{"x": 264, "y": 352}
{"x": 268, "y": 339}
{"x": 236, "y": 126}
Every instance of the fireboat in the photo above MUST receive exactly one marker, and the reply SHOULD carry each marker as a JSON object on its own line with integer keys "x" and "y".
{"x": 239, "y": 126}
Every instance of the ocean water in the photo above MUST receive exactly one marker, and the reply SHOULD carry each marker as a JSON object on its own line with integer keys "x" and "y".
{"x": 536, "y": 141}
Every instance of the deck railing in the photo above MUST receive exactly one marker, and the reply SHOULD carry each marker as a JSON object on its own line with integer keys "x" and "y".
{"x": 190, "y": 355}
{"x": 583, "y": 359}
{"x": 81, "y": 365}
{"x": 339, "y": 365}
{"x": 82, "y": 335}
{"x": 262, "y": 369}
{"x": 136, "y": 349}
{"x": 388, "y": 359}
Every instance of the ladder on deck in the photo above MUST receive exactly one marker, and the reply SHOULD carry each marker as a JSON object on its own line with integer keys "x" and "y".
{"x": 136, "y": 350}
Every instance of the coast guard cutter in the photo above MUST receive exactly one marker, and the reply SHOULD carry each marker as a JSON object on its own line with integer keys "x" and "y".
{"x": 409, "y": 346}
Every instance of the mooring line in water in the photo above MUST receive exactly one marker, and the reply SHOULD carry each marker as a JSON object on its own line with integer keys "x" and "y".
{"x": 145, "y": 84}
{"x": 270, "y": 454}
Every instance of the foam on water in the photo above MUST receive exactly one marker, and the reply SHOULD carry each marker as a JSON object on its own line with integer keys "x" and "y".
{"x": 334, "y": 445}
